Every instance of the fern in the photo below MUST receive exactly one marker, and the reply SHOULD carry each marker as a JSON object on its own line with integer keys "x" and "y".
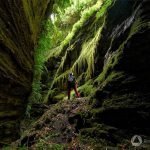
{"x": 39, "y": 59}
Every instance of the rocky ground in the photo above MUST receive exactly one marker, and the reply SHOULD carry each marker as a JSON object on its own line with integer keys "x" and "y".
{"x": 75, "y": 125}
{"x": 58, "y": 127}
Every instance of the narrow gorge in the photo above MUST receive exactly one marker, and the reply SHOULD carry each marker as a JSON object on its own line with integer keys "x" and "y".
{"x": 105, "y": 43}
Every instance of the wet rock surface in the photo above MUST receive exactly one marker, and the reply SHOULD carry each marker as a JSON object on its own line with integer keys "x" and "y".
{"x": 123, "y": 100}
{"x": 19, "y": 29}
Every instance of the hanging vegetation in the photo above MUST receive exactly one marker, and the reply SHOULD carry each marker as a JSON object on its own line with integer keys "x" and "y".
{"x": 86, "y": 57}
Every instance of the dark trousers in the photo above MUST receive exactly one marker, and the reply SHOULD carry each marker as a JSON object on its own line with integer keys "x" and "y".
{"x": 75, "y": 89}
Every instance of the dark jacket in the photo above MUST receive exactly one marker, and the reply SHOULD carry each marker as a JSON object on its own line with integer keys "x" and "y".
{"x": 71, "y": 82}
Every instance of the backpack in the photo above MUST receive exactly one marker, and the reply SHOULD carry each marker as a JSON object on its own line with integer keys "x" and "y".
{"x": 71, "y": 81}
{"x": 71, "y": 78}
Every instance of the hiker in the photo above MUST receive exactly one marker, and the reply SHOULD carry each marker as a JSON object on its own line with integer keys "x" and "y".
{"x": 72, "y": 84}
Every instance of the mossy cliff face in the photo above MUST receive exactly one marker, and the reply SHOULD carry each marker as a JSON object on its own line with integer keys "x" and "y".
{"x": 19, "y": 28}
{"x": 124, "y": 80}
{"x": 123, "y": 85}
{"x": 120, "y": 105}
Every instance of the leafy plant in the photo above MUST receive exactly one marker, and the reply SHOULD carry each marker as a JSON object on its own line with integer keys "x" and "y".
{"x": 51, "y": 43}
{"x": 43, "y": 46}
{"x": 86, "y": 57}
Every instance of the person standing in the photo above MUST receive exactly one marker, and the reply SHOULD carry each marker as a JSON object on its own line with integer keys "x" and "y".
{"x": 72, "y": 84}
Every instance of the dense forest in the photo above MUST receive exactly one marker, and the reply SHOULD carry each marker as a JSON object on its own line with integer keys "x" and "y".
{"x": 104, "y": 45}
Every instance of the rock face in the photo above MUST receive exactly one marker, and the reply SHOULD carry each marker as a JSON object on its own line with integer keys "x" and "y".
{"x": 119, "y": 106}
{"x": 126, "y": 62}
{"x": 122, "y": 63}
{"x": 122, "y": 100}
{"x": 19, "y": 27}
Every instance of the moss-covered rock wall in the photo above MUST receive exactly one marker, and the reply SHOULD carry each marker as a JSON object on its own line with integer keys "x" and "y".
{"x": 19, "y": 28}
{"x": 108, "y": 51}
{"x": 123, "y": 85}
{"x": 120, "y": 39}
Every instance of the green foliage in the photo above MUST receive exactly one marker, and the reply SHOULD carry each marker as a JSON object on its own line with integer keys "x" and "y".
{"x": 59, "y": 96}
{"x": 138, "y": 25}
{"x": 61, "y": 4}
{"x": 70, "y": 11}
{"x": 39, "y": 59}
{"x": 84, "y": 17}
{"x": 51, "y": 45}
{"x": 87, "y": 56}
{"x": 65, "y": 15}
{"x": 103, "y": 9}
{"x": 48, "y": 39}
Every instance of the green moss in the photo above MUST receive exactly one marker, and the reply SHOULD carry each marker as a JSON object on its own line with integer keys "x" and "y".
{"x": 96, "y": 136}
{"x": 59, "y": 96}
{"x": 41, "y": 144}
{"x": 112, "y": 60}
{"x": 34, "y": 21}
{"x": 103, "y": 9}
{"x": 97, "y": 111}
{"x": 86, "y": 14}
{"x": 138, "y": 25}
{"x": 113, "y": 76}
{"x": 60, "y": 80}
{"x": 39, "y": 59}
{"x": 87, "y": 89}
{"x": 86, "y": 58}
{"x": 122, "y": 101}
{"x": 81, "y": 56}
